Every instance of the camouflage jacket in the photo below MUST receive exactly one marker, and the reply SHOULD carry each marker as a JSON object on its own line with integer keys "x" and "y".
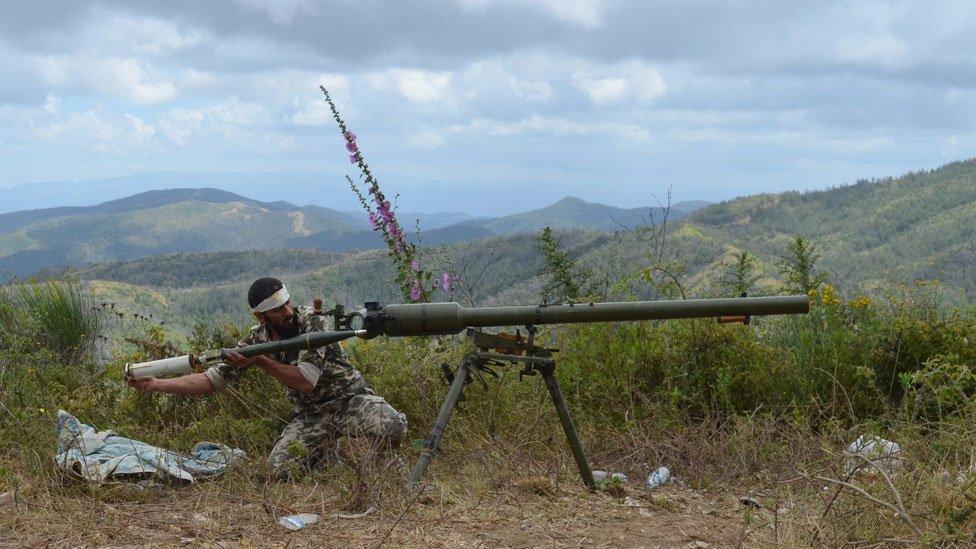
{"x": 333, "y": 376}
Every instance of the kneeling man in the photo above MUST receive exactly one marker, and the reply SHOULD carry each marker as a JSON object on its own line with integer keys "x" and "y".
{"x": 330, "y": 398}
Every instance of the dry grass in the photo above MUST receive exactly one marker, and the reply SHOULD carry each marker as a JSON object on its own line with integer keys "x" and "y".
{"x": 240, "y": 510}
{"x": 493, "y": 493}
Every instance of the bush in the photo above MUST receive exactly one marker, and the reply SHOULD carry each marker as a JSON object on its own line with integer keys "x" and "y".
{"x": 59, "y": 316}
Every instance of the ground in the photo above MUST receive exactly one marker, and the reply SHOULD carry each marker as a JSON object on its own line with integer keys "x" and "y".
{"x": 529, "y": 513}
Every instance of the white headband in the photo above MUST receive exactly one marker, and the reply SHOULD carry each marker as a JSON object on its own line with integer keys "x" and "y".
{"x": 273, "y": 301}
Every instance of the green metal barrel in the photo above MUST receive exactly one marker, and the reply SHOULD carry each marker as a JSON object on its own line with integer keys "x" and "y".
{"x": 417, "y": 319}
{"x": 311, "y": 340}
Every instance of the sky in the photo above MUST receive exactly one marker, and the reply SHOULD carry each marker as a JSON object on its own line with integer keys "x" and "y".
{"x": 488, "y": 106}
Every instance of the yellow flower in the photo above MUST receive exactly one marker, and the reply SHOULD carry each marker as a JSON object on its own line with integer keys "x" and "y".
{"x": 825, "y": 295}
{"x": 41, "y": 410}
{"x": 860, "y": 302}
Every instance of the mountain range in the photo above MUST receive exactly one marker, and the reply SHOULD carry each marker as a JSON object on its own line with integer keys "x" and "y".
{"x": 870, "y": 237}
{"x": 211, "y": 220}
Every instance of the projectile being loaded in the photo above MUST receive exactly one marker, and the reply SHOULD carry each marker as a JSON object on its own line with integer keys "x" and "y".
{"x": 427, "y": 319}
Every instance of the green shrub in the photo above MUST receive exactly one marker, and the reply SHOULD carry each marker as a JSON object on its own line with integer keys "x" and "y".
{"x": 59, "y": 316}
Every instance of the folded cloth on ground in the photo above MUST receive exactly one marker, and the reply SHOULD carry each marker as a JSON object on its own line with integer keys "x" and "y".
{"x": 102, "y": 456}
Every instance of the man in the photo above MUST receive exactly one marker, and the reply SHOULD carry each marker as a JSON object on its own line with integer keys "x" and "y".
{"x": 330, "y": 398}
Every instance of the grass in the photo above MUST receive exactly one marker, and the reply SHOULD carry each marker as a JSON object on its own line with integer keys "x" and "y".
{"x": 763, "y": 410}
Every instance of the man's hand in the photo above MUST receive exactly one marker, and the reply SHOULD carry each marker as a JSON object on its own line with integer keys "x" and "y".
{"x": 144, "y": 385}
{"x": 240, "y": 361}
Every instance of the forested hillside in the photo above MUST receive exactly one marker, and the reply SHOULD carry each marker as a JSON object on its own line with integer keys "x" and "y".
{"x": 920, "y": 226}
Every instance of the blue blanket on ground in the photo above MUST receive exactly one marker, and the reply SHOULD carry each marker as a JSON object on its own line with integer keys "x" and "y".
{"x": 102, "y": 456}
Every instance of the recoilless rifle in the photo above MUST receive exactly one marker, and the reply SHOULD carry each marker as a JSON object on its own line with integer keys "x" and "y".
{"x": 428, "y": 319}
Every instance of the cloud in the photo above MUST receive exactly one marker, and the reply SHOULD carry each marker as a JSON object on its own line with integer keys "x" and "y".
{"x": 633, "y": 80}
{"x": 281, "y": 12}
{"x": 531, "y": 90}
{"x": 98, "y": 132}
{"x": 126, "y": 78}
{"x": 426, "y": 139}
{"x": 415, "y": 85}
{"x": 581, "y": 13}
{"x": 233, "y": 120}
{"x": 551, "y": 126}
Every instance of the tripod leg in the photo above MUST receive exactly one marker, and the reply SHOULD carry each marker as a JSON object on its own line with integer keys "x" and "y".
{"x": 548, "y": 374}
{"x": 437, "y": 431}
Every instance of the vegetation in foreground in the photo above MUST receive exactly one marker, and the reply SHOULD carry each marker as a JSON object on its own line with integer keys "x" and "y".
{"x": 765, "y": 409}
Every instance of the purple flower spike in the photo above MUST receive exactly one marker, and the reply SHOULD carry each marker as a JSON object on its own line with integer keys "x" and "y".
{"x": 446, "y": 282}
{"x": 415, "y": 290}
{"x": 415, "y": 265}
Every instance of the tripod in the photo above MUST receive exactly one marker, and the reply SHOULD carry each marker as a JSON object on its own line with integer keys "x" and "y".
{"x": 496, "y": 350}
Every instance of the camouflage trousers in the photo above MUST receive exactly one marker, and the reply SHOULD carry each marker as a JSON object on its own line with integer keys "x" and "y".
{"x": 310, "y": 440}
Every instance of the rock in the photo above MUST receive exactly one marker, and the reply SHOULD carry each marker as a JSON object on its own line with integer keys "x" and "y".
{"x": 750, "y": 501}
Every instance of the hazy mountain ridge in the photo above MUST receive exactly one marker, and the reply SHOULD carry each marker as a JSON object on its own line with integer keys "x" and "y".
{"x": 208, "y": 220}
{"x": 568, "y": 213}
{"x": 159, "y": 222}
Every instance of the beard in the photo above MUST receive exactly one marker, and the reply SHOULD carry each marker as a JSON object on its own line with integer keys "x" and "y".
{"x": 288, "y": 329}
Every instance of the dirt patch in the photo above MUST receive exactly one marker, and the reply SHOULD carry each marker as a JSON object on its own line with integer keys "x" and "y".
{"x": 201, "y": 516}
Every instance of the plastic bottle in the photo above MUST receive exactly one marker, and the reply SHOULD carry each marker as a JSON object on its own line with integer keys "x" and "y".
{"x": 297, "y": 522}
{"x": 658, "y": 478}
{"x": 603, "y": 476}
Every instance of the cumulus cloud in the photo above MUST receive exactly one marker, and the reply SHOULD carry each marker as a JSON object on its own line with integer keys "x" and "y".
{"x": 98, "y": 132}
{"x": 426, "y": 139}
{"x": 231, "y": 120}
{"x": 632, "y": 80}
{"x": 417, "y": 86}
{"x": 112, "y": 76}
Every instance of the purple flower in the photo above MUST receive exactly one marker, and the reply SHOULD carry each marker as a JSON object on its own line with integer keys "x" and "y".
{"x": 351, "y": 147}
{"x": 446, "y": 282}
{"x": 354, "y": 158}
{"x": 350, "y": 137}
{"x": 415, "y": 265}
{"x": 373, "y": 222}
{"x": 415, "y": 290}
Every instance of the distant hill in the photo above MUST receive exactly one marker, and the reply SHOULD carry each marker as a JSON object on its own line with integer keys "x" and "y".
{"x": 568, "y": 213}
{"x": 918, "y": 226}
{"x": 428, "y": 221}
{"x": 145, "y": 200}
{"x": 156, "y": 222}
{"x": 571, "y": 213}
{"x": 688, "y": 206}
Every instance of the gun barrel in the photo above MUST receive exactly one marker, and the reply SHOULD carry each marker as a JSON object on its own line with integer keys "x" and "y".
{"x": 311, "y": 340}
{"x": 450, "y": 318}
